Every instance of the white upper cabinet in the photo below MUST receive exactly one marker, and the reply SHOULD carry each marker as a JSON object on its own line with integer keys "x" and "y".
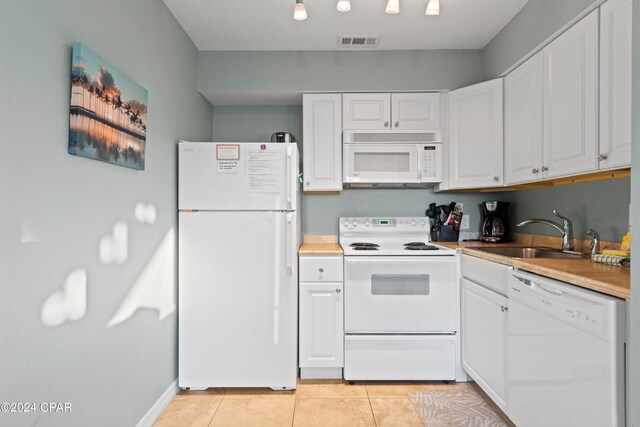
{"x": 523, "y": 122}
{"x": 385, "y": 111}
{"x": 570, "y": 97}
{"x": 476, "y": 136}
{"x": 366, "y": 111}
{"x": 615, "y": 84}
{"x": 322, "y": 142}
{"x": 415, "y": 111}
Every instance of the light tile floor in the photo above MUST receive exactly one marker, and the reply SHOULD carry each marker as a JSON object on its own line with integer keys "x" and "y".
{"x": 315, "y": 403}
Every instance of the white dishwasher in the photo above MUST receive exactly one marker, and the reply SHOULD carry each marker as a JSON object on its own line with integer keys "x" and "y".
{"x": 566, "y": 354}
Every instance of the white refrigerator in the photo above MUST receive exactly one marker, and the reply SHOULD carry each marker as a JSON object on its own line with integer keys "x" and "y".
{"x": 238, "y": 237}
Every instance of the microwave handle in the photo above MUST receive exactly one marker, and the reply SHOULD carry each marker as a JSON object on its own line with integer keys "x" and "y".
{"x": 420, "y": 163}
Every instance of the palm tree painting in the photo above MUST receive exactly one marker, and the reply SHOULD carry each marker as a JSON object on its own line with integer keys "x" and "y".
{"x": 108, "y": 112}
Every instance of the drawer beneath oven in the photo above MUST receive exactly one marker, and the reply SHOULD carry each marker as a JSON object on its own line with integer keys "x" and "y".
{"x": 399, "y": 357}
{"x": 321, "y": 269}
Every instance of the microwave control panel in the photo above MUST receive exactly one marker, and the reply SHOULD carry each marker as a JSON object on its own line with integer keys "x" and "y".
{"x": 431, "y": 159}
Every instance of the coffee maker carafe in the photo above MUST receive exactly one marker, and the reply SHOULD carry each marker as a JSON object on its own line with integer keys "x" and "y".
{"x": 495, "y": 222}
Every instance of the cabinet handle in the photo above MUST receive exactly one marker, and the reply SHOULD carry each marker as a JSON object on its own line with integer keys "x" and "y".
{"x": 397, "y": 124}
{"x": 338, "y": 291}
{"x": 602, "y": 157}
{"x": 386, "y": 124}
{"x": 503, "y": 308}
{"x": 534, "y": 171}
{"x": 496, "y": 178}
{"x": 321, "y": 270}
{"x": 544, "y": 169}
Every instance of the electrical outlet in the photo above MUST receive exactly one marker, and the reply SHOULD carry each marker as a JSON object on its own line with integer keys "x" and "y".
{"x": 464, "y": 224}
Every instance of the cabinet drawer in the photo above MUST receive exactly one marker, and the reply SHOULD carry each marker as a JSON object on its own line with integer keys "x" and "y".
{"x": 489, "y": 274}
{"x": 320, "y": 269}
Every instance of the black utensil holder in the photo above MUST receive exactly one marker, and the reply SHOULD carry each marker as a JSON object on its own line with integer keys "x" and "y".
{"x": 445, "y": 234}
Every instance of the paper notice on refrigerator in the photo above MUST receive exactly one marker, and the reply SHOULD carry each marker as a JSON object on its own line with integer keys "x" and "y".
{"x": 263, "y": 170}
{"x": 228, "y": 166}
{"x": 227, "y": 151}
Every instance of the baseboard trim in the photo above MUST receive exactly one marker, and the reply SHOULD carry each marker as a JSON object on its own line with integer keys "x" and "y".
{"x": 163, "y": 401}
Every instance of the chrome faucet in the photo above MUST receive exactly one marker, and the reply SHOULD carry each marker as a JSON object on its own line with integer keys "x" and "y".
{"x": 566, "y": 229}
{"x": 595, "y": 242}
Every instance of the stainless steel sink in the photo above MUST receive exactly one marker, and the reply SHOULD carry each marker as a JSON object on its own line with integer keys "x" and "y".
{"x": 523, "y": 252}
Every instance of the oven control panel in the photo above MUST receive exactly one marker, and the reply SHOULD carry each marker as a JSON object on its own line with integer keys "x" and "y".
{"x": 393, "y": 224}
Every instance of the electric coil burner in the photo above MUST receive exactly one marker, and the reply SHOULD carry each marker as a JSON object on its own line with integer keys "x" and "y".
{"x": 401, "y": 302}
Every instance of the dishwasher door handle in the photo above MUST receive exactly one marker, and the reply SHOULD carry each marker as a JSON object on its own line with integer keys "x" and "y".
{"x": 551, "y": 290}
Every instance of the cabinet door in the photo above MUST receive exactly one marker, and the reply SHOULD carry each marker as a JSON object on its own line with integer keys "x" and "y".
{"x": 523, "y": 122}
{"x": 366, "y": 111}
{"x": 475, "y": 136}
{"x": 321, "y": 325}
{"x": 484, "y": 333}
{"x": 615, "y": 84}
{"x": 322, "y": 142}
{"x": 570, "y": 100}
{"x": 415, "y": 111}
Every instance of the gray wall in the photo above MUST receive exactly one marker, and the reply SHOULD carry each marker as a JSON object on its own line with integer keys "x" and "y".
{"x": 265, "y": 78}
{"x": 320, "y": 213}
{"x": 537, "y": 21}
{"x": 633, "y": 320}
{"x": 55, "y": 208}
{"x": 601, "y": 205}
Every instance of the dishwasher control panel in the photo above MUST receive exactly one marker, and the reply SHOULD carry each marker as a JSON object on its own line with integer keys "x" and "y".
{"x": 563, "y": 301}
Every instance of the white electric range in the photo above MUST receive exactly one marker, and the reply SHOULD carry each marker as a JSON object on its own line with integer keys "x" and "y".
{"x": 401, "y": 301}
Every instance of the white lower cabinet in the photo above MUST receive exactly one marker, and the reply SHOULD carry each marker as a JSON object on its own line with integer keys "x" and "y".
{"x": 321, "y": 318}
{"x": 484, "y": 335}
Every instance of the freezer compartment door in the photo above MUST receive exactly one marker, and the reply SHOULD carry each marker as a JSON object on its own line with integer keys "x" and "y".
{"x": 238, "y": 299}
{"x": 399, "y": 357}
{"x": 237, "y": 176}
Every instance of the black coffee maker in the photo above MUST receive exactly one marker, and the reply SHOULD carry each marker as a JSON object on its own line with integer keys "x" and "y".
{"x": 495, "y": 222}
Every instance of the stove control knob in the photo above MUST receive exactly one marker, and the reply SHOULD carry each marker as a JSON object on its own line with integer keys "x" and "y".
{"x": 345, "y": 223}
{"x": 367, "y": 223}
{"x": 422, "y": 223}
{"x": 355, "y": 223}
{"x": 413, "y": 223}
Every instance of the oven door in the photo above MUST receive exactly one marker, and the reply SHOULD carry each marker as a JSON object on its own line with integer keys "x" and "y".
{"x": 400, "y": 294}
{"x": 381, "y": 163}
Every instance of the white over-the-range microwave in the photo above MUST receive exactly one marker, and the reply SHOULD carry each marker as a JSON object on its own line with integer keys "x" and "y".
{"x": 391, "y": 158}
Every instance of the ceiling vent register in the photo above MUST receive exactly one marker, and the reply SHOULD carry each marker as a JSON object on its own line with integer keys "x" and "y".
{"x": 358, "y": 41}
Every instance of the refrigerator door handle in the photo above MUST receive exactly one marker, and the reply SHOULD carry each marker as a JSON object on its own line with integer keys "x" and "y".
{"x": 289, "y": 180}
{"x": 290, "y": 242}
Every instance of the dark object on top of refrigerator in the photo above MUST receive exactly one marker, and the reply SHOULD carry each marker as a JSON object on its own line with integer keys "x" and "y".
{"x": 282, "y": 137}
{"x": 495, "y": 222}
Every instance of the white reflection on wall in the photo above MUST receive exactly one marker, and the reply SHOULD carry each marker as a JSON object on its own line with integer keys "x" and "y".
{"x": 27, "y": 233}
{"x": 113, "y": 247}
{"x": 155, "y": 287}
{"x": 145, "y": 213}
{"x": 70, "y": 303}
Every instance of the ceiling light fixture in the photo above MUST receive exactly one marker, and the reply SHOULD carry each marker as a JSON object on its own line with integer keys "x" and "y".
{"x": 299, "y": 13}
{"x": 393, "y": 7}
{"x": 433, "y": 8}
{"x": 344, "y": 5}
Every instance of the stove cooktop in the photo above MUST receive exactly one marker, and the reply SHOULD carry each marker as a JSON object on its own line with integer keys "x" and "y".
{"x": 394, "y": 236}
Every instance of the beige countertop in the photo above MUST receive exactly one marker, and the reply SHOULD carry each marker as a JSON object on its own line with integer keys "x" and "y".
{"x": 320, "y": 249}
{"x": 610, "y": 280}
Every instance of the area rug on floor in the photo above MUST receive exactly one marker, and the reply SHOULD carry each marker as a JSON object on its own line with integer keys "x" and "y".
{"x": 464, "y": 408}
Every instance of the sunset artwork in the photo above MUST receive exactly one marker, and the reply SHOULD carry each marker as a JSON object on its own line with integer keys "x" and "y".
{"x": 108, "y": 112}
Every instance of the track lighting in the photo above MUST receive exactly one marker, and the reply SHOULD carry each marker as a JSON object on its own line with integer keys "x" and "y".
{"x": 344, "y": 5}
{"x": 393, "y": 7}
{"x": 299, "y": 12}
{"x": 433, "y": 8}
